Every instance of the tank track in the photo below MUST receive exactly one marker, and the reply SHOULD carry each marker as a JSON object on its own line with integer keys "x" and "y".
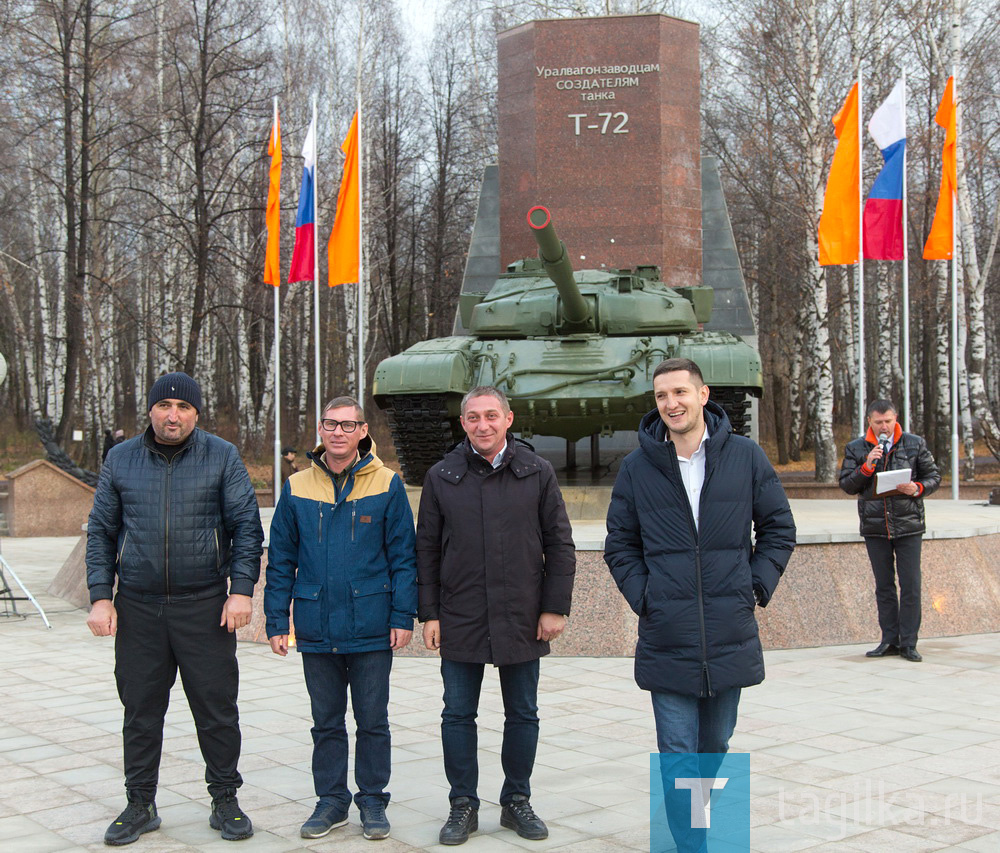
{"x": 422, "y": 432}
{"x": 736, "y": 402}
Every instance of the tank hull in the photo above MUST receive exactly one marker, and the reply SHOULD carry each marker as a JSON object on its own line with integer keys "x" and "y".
{"x": 568, "y": 386}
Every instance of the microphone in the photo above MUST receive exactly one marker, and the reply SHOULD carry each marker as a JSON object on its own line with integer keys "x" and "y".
{"x": 883, "y": 440}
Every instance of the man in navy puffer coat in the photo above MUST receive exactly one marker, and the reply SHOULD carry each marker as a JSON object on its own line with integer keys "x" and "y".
{"x": 175, "y": 522}
{"x": 679, "y": 548}
{"x": 687, "y": 566}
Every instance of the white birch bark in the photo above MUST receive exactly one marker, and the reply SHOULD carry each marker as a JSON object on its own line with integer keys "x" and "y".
{"x": 817, "y": 331}
{"x": 942, "y": 355}
{"x": 42, "y": 384}
{"x": 885, "y": 309}
{"x": 24, "y": 350}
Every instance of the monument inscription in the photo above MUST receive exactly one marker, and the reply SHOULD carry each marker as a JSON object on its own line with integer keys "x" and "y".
{"x": 609, "y": 143}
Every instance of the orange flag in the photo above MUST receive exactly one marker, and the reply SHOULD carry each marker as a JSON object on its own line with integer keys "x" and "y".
{"x": 940, "y": 242}
{"x": 840, "y": 220}
{"x": 342, "y": 250}
{"x": 272, "y": 257}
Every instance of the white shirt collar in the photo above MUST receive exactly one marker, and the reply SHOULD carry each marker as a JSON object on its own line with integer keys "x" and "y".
{"x": 498, "y": 459}
{"x": 701, "y": 444}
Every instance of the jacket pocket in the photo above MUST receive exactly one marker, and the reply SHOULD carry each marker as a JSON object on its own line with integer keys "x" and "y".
{"x": 307, "y": 611}
{"x": 371, "y": 599}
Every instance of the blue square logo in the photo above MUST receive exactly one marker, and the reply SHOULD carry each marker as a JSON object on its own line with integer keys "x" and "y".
{"x": 699, "y": 802}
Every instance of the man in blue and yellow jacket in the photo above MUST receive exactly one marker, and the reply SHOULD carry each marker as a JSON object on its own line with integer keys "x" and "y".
{"x": 342, "y": 547}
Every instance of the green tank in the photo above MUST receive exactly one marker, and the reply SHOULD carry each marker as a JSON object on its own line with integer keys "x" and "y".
{"x": 573, "y": 351}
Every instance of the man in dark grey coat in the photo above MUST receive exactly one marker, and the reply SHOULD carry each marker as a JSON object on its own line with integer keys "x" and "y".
{"x": 892, "y": 523}
{"x": 495, "y": 562}
{"x": 175, "y": 523}
{"x": 679, "y": 549}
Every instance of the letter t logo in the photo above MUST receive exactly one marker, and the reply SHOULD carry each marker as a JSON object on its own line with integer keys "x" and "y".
{"x": 701, "y": 798}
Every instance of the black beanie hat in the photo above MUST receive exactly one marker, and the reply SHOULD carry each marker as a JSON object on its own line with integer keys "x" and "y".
{"x": 175, "y": 386}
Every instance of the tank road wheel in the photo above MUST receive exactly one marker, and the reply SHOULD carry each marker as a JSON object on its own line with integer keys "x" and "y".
{"x": 422, "y": 432}
{"x": 736, "y": 402}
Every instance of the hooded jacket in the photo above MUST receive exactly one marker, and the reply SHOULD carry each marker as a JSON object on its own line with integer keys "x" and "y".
{"x": 693, "y": 588}
{"x": 177, "y": 528}
{"x": 495, "y": 550}
{"x": 343, "y": 555}
{"x": 895, "y": 515}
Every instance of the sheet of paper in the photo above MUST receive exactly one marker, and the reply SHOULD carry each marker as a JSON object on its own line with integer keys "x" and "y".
{"x": 886, "y": 481}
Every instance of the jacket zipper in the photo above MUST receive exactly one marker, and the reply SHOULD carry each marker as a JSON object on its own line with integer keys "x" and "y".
{"x": 697, "y": 565}
{"x": 166, "y": 528}
{"x": 218, "y": 556}
{"x": 354, "y": 512}
{"x": 321, "y": 523}
{"x": 121, "y": 553}
{"x": 885, "y": 501}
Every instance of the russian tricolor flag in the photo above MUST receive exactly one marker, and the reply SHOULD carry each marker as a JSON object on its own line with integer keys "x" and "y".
{"x": 304, "y": 253}
{"x": 883, "y": 217}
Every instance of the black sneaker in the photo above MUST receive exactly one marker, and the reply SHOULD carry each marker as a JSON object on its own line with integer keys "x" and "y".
{"x": 228, "y": 817}
{"x": 323, "y": 819}
{"x": 131, "y": 823}
{"x": 520, "y": 816}
{"x": 462, "y": 820}
{"x": 374, "y": 822}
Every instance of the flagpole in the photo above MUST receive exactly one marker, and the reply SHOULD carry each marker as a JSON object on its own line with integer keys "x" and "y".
{"x": 861, "y": 267}
{"x": 361, "y": 242}
{"x": 954, "y": 303}
{"x": 317, "y": 391}
{"x": 361, "y": 263}
{"x": 277, "y": 369}
{"x": 907, "y": 424}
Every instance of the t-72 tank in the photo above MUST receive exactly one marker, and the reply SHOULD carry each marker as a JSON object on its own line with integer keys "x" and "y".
{"x": 573, "y": 351}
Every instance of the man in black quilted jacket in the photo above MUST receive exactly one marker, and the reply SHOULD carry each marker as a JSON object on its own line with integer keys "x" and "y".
{"x": 175, "y": 522}
{"x": 892, "y": 523}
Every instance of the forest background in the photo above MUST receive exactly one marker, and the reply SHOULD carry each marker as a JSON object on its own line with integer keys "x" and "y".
{"x": 133, "y": 191}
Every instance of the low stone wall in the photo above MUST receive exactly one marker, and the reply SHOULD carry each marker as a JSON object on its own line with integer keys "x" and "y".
{"x": 826, "y": 597}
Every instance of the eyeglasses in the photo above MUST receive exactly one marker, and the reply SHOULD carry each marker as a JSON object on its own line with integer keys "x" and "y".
{"x": 347, "y": 426}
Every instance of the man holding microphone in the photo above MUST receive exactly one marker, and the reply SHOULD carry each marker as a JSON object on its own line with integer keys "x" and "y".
{"x": 892, "y": 523}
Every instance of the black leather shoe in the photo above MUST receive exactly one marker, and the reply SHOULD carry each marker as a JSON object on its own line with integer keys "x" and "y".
{"x": 462, "y": 820}
{"x": 910, "y": 653}
{"x": 519, "y": 816}
{"x": 883, "y": 649}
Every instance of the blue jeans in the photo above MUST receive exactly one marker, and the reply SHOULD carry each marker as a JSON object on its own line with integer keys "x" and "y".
{"x": 459, "y": 740}
{"x": 698, "y": 731}
{"x": 695, "y": 725}
{"x": 327, "y": 678}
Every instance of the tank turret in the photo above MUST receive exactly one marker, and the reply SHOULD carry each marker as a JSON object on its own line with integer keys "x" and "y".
{"x": 574, "y": 351}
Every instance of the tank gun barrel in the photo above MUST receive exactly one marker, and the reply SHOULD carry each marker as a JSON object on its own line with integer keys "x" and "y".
{"x": 552, "y": 253}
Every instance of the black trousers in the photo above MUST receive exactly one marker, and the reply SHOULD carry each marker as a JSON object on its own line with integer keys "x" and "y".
{"x": 154, "y": 640}
{"x": 898, "y": 615}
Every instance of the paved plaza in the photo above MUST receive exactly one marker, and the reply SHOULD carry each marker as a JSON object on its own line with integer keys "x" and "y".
{"x": 848, "y": 754}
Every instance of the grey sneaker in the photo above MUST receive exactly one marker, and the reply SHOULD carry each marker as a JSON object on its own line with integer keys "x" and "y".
{"x": 462, "y": 820}
{"x": 323, "y": 819}
{"x": 131, "y": 823}
{"x": 374, "y": 822}
{"x": 519, "y": 816}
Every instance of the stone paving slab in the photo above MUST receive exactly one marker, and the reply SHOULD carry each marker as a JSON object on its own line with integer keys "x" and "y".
{"x": 849, "y": 754}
